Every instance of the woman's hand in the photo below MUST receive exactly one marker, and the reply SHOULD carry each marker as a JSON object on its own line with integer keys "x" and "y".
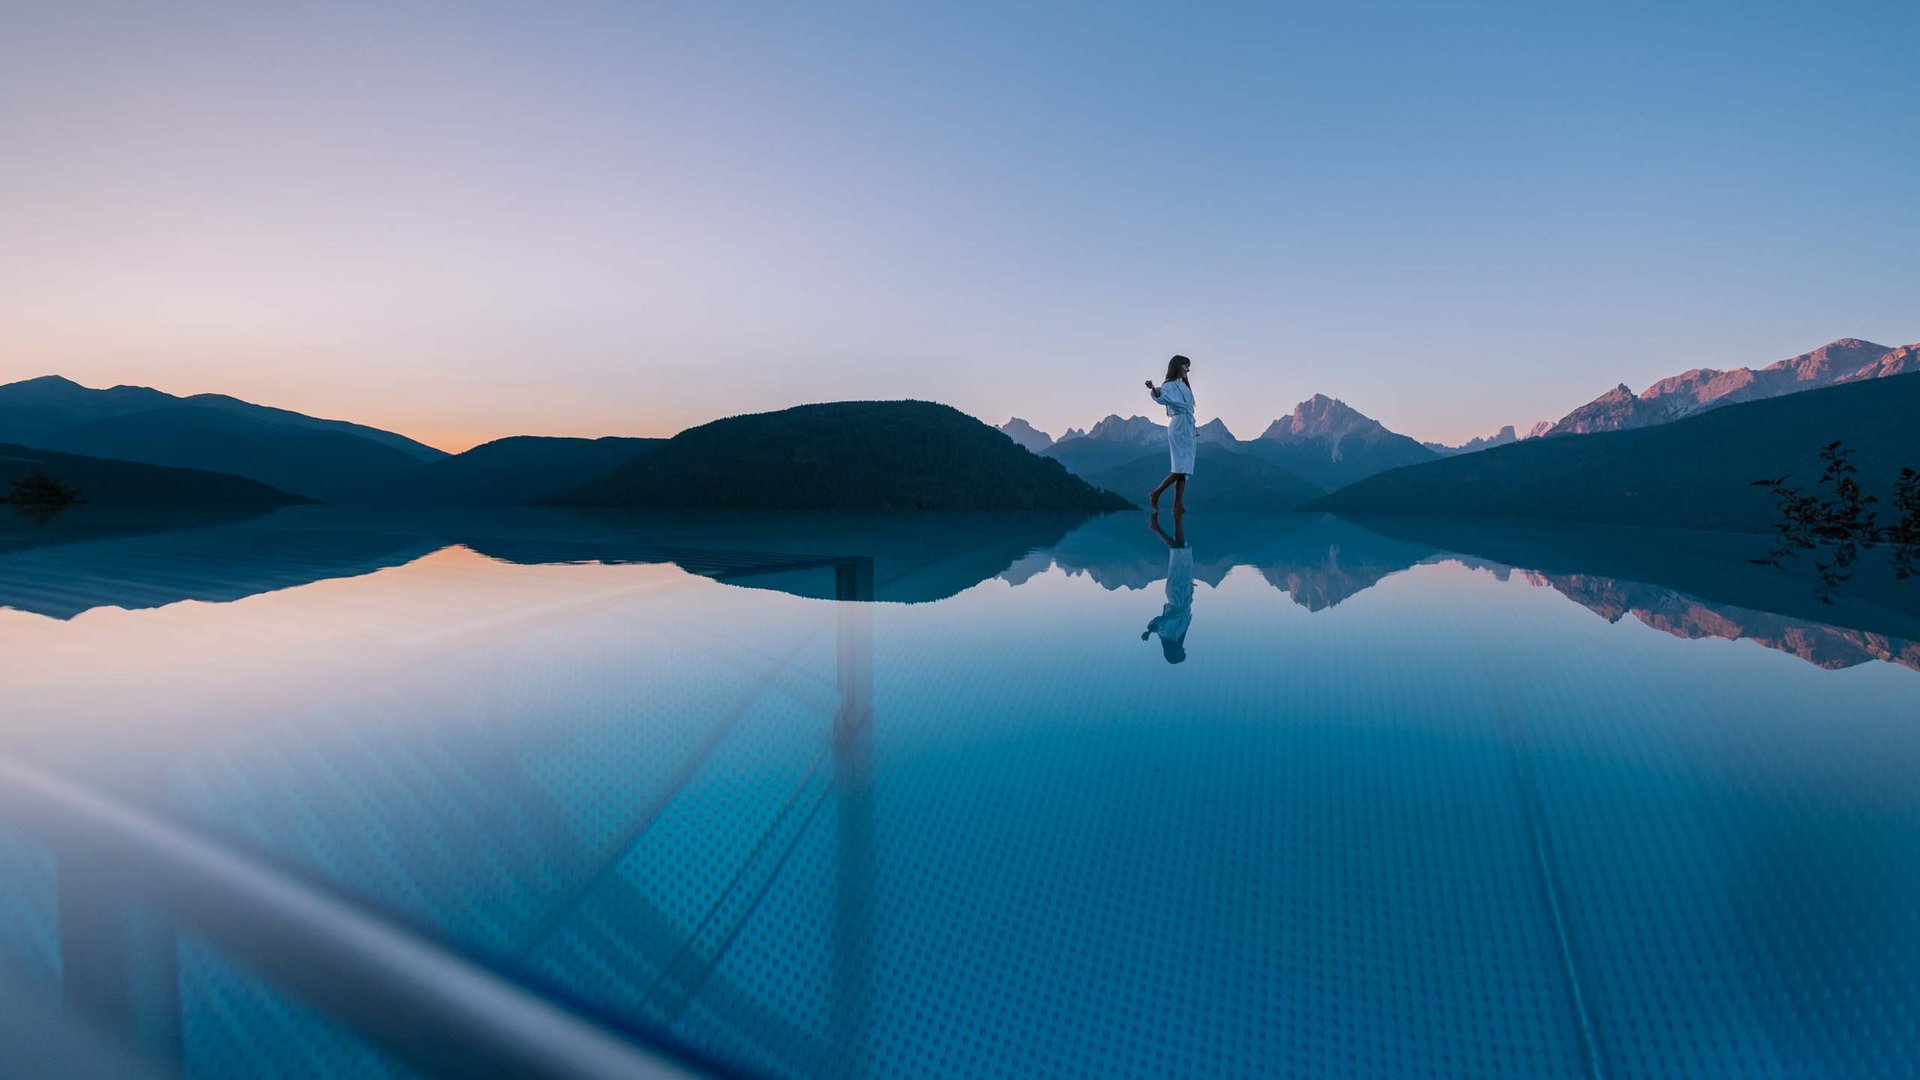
{"x": 1149, "y": 384}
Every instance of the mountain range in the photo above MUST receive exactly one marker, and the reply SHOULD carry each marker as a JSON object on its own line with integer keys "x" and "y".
{"x": 1318, "y": 560}
{"x": 1323, "y": 444}
{"x": 329, "y": 460}
{"x": 1689, "y": 584}
{"x": 1843, "y": 361}
{"x": 129, "y": 444}
{"x": 1693, "y": 585}
{"x": 1694, "y": 473}
{"x": 1327, "y": 443}
{"x": 1502, "y": 437}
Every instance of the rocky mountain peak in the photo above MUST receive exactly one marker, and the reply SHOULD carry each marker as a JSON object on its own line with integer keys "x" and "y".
{"x": 1692, "y": 391}
{"x": 1830, "y": 361}
{"x": 1033, "y": 439}
{"x": 1215, "y": 431}
{"x": 1483, "y": 442}
{"x": 1131, "y": 429}
{"x": 1901, "y": 361}
{"x": 1320, "y": 417}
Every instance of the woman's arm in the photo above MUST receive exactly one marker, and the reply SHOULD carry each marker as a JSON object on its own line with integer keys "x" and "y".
{"x": 1154, "y": 390}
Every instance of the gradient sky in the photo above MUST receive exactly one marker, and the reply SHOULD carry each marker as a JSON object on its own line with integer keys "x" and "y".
{"x": 468, "y": 220}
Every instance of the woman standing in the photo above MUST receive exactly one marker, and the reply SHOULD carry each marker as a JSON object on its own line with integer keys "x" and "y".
{"x": 1176, "y": 393}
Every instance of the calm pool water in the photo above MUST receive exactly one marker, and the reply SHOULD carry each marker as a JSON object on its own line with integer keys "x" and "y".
{"x": 954, "y": 796}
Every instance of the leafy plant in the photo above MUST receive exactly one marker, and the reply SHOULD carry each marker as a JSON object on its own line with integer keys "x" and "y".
{"x": 39, "y": 491}
{"x": 1904, "y": 534}
{"x": 1840, "y": 520}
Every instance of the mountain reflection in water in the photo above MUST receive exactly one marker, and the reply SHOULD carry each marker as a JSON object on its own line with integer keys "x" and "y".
{"x": 1690, "y": 585}
{"x": 1685, "y": 617}
{"x": 651, "y": 770}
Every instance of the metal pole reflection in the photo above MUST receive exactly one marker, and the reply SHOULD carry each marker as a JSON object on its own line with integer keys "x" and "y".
{"x": 853, "y": 784}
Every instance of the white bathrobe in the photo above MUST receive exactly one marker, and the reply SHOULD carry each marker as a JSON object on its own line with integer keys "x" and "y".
{"x": 1176, "y": 615}
{"x": 1178, "y": 398}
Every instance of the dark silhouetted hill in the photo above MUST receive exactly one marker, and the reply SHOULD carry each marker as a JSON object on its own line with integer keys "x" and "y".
{"x": 519, "y": 470}
{"x": 326, "y": 465}
{"x": 323, "y": 459}
{"x": 849, "y": 455}
{"x": 1323, "y": 441}
{"x": 1224, "y": 479}
{"x": 49, "y": 404}
{"x": 36, "y": 409}
{"x": 104, "y": 481}
{"x": 1691, "y": 473}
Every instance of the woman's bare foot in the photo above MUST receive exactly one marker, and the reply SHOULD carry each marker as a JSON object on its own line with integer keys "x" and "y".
{"x": 1179, "y": 508}
{"x": 1153, "y": 500}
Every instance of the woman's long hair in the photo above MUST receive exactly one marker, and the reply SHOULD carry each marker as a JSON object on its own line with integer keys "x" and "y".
{"x": 1177, "y": 369}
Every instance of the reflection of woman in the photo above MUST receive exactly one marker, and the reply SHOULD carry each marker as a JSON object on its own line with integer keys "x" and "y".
{"x": 1176, "y": 393}
{"x": 1177, "y": 614}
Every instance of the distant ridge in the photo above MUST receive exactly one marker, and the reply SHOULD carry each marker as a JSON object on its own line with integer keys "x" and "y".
{"x": 1502, "y": 437}
{"x": 106, "y": 482}
{"x": 1137, "y": 430}
{"x": 61, "y": 402}
{"x": 864, "y": 455}
{"x": 1324, "y": 441}
{"x": 331, "y": 460}
{"x": 1112, "y": 442}
{"x": 517, "y": 470}
{"x": 1033, "y": 439}
{"x": 1692, "y": 473}
{"x": 1690, "y": 392}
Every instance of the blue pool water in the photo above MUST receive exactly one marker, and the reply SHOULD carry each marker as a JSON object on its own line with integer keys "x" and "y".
{"x": 976, "y": 797}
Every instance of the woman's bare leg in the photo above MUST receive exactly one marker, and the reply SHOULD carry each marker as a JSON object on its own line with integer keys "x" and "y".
{"x": 1154, "y": 499}
{"x": 1179, "y": 493}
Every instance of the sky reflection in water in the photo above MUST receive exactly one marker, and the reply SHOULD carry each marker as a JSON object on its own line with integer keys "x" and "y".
{"x": 1400, "y": 809}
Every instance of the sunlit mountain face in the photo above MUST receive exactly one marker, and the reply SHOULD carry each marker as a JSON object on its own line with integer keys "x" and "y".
{"x": 1843, "y": 361}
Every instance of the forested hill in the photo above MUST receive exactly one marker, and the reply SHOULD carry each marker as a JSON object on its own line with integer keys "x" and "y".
{"x": 847, "y": 455}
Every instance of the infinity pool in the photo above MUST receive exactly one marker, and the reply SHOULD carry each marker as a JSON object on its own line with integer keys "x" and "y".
{"x": 955, "y": 796}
